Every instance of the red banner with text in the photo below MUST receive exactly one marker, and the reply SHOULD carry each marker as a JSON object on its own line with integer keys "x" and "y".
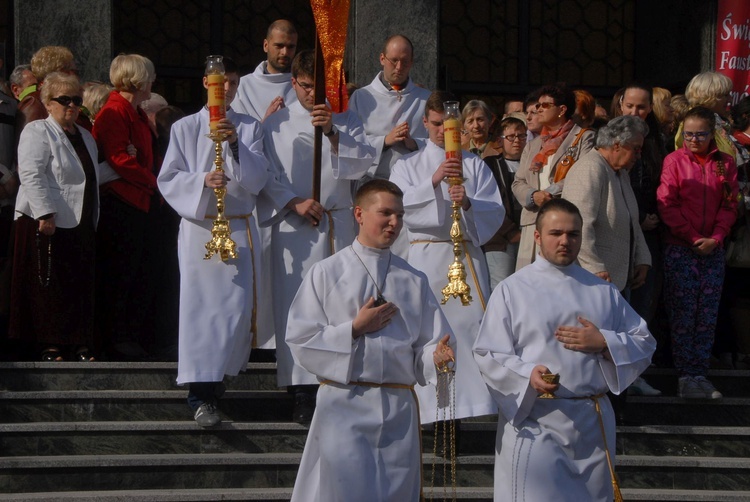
{"x": 733, "y": 45}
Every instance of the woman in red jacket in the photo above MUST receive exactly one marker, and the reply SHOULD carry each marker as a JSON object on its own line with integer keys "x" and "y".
{"x": 126, "y": 201}
{"x": 697, "y": 200}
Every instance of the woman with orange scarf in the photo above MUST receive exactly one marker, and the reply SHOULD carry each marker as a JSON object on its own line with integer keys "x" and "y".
{"x": 546, "y": 160}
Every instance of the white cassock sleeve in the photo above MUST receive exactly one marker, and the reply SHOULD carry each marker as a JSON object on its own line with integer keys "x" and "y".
{"x": 630, "y": 346}
{"x": 425, "y": 206}
{"x": 434, "y": 326}
{"x": 323, "y": 349}
{"x": 486, "y": 213}
{"x": 505, "y": 373}
{"x": 355, "y": 155}
{"x": 183, "y": 187}
{"x": 251, "y": 172}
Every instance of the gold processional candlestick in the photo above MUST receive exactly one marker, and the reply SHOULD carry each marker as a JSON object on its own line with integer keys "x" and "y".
{"x": 221, "y": 242}
{"x": 457, "y": 286}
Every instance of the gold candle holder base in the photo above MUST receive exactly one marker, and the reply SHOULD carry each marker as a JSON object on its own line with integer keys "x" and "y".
{"x": 221, "y": 242}
{"x": 549, "y": 378}
{"x": 457, "y": 286}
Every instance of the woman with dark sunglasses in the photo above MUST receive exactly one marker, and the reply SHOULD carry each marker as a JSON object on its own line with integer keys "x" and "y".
{"x": 57, "y": 208}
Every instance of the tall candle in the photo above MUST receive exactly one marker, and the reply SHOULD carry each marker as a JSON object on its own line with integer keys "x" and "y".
{"x": 215, "y": 82}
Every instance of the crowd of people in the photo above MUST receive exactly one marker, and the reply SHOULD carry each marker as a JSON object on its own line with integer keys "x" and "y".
{"x": 579, "y": 225}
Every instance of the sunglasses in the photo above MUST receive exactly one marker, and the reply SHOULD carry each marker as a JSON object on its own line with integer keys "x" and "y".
{"x": 66, "y": 100}
{"x": 545, "y": 105}
{"x": 512, "y": 137}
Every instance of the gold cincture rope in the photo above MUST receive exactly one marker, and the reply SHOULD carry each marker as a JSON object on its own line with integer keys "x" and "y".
{"x": 613, "y": 476}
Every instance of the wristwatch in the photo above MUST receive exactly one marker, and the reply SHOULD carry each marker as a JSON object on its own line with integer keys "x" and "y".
{"x": 332, "y": 132}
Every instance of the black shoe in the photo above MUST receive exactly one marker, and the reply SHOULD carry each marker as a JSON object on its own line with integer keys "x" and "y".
{"x": 304, "y": 407}
{"x": 263, "y": 356}
{"x": 127, "y": 352}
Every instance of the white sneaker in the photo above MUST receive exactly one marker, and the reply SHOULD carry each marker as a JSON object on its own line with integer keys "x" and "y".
{"x": 689, "y": 388}
{"x": 206, "y": 415}
{"x": 640, "y": 387}
{"x": 709, "y": 391}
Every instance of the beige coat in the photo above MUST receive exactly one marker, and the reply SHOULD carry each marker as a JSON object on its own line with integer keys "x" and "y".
{"x": 609, "y": 209}
{"x": 527, "y": 182}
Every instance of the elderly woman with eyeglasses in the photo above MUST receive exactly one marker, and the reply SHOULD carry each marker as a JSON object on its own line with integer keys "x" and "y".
{"x": 57, "y": 208}
{"x": 546, "y": 160}
{"x": 129, "y": 202}
{"x": 697, "y": 200}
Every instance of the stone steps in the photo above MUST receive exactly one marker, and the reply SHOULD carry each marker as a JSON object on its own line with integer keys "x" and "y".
{"x": 122, "y": 431}
{"x": 278, "y": 470}
{"x": 264, "y": 405}
{"x": 153, "y": 437}
{"x": 82, "y": 405}
{"x": 275, "y": 494}
{"x": 41, "y": 376}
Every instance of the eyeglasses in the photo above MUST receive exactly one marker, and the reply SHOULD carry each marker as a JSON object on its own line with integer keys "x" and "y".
{"x": 305, "y": 86}
{"x": 396, "y": 62}
{"x": 66, "y": 100}
{"x": 545, "y": 105}
{"x": 697, "y": 136}
{"x": 513, "y": 137}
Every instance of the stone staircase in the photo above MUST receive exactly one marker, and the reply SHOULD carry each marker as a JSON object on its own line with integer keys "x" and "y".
{"x": 123, "y": 432}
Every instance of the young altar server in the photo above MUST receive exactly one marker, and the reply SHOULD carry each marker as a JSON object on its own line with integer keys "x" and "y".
{"x": 217, "y": 299}
{"x": 368, "y": 326}
{"x": 555, "y": 317}
{"x": 306, "y": 231}
{"x": 427, "y": 202}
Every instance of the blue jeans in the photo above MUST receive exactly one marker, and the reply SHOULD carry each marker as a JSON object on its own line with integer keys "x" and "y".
{"x": 501, "y": 264}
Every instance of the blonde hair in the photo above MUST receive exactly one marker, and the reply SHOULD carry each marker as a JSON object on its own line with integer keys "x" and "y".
{"x": 705, "y": 89}
{"x": 680, "y": 106}
{"x": 131, "y": 72}
{"x": 660, "y": 95}
{"x": 94, "y": 97}
{"x": 50, "y": 59}
{"x": 57, "y": 83}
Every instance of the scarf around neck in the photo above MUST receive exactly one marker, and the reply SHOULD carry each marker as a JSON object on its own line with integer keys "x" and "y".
{"x": 550, "y": 143}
